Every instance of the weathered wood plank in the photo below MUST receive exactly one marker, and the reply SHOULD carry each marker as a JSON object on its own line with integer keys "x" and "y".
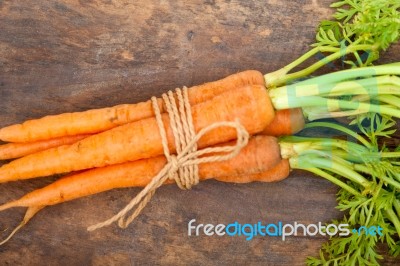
{"x": 62, "y": 56}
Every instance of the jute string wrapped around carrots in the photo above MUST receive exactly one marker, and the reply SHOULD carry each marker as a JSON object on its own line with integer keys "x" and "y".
{"x": 183, "y": 167}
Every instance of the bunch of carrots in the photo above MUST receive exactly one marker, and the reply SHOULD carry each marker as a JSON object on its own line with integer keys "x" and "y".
{"x": 120, "y": 146}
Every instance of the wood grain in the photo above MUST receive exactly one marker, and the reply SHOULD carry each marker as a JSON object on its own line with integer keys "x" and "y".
{"x": 63, "y": 56}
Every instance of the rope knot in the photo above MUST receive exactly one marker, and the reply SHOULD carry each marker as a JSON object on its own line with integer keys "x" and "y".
{"x": 173, "y": 170}
{"x": 184, "y": 166}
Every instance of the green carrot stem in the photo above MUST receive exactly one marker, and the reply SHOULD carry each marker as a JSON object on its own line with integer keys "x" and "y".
{"x": 309, "y": 54}
{"x": 340, "y": 52}
{"x": 331, "y": 165}
{"x": 321, "y": 112}
{"x": 371, "y": 90}
{"x": 294, "y": 146}
{"x": 324, "y": 143}
{"x": 317, "y": 101}
{"x": 332, "y": 104}
{"x": 294, "y": 165}
{"x": 278, "y": 78}
{"x": 336, "y": 77}
{"x": 341, "y": 170}
{"x": 358, "y": 58}
{"x": 389, "y": 154}
{"x": 350, "y": 157}
{"x": 373, "y": 86}
{"x": 396, "y": 204}
{"x": 390, "y": 99}
{"x": 376, "y": 85}
{"x": 341, "y": 129}
{"x": 363, "y": 168}
{"x": 391, "y": 215}
{"x": 370, "y": 209}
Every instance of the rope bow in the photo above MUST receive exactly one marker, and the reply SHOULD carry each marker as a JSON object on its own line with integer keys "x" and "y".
{"x": 183, "y": 167}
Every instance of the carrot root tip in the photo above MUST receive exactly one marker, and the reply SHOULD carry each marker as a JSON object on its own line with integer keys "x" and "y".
{"x": 30, "y": 212}
{"x": 12, "y": 233}
{"x": 7, "y": 205}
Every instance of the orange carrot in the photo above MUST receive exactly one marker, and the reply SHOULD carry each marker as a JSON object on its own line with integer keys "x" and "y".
{"x": 277, "y": 173}
{"x": 98, "y": 120}
{"x": 262, "y": 154}
{"x": 16, "y": 150}
{"x": 259, "y": 159}
{"x": 286, "y": 122}
{"x": 140, "y": 139}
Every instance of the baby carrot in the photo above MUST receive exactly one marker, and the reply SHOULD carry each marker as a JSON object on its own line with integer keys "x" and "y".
{"x": 98, "y": 120}
{"x": 140, "y": 139}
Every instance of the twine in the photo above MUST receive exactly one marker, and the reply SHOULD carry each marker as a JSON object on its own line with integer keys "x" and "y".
{"x": 183, "y": 167}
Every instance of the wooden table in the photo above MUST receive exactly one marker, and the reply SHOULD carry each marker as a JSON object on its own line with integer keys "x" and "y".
{"x": 63, "y": 56}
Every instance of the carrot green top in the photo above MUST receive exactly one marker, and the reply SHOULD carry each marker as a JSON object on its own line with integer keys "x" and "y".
{"x": 361, "y": 29}
{"x": 369, "y": 181}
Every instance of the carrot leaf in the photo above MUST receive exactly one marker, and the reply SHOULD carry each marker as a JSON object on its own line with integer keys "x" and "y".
{"x": 361, "y": 29}
{"x": 369, "y": 181}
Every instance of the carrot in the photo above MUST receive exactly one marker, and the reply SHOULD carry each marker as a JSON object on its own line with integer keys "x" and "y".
{"x": 140, "y": 139}
{"x": 277, "y": 173}
{"x": 286, "y": 122}
{"x": 98, "y": 120}
{"x": 261, "y": 154}
{"x": 16, "y": 150}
